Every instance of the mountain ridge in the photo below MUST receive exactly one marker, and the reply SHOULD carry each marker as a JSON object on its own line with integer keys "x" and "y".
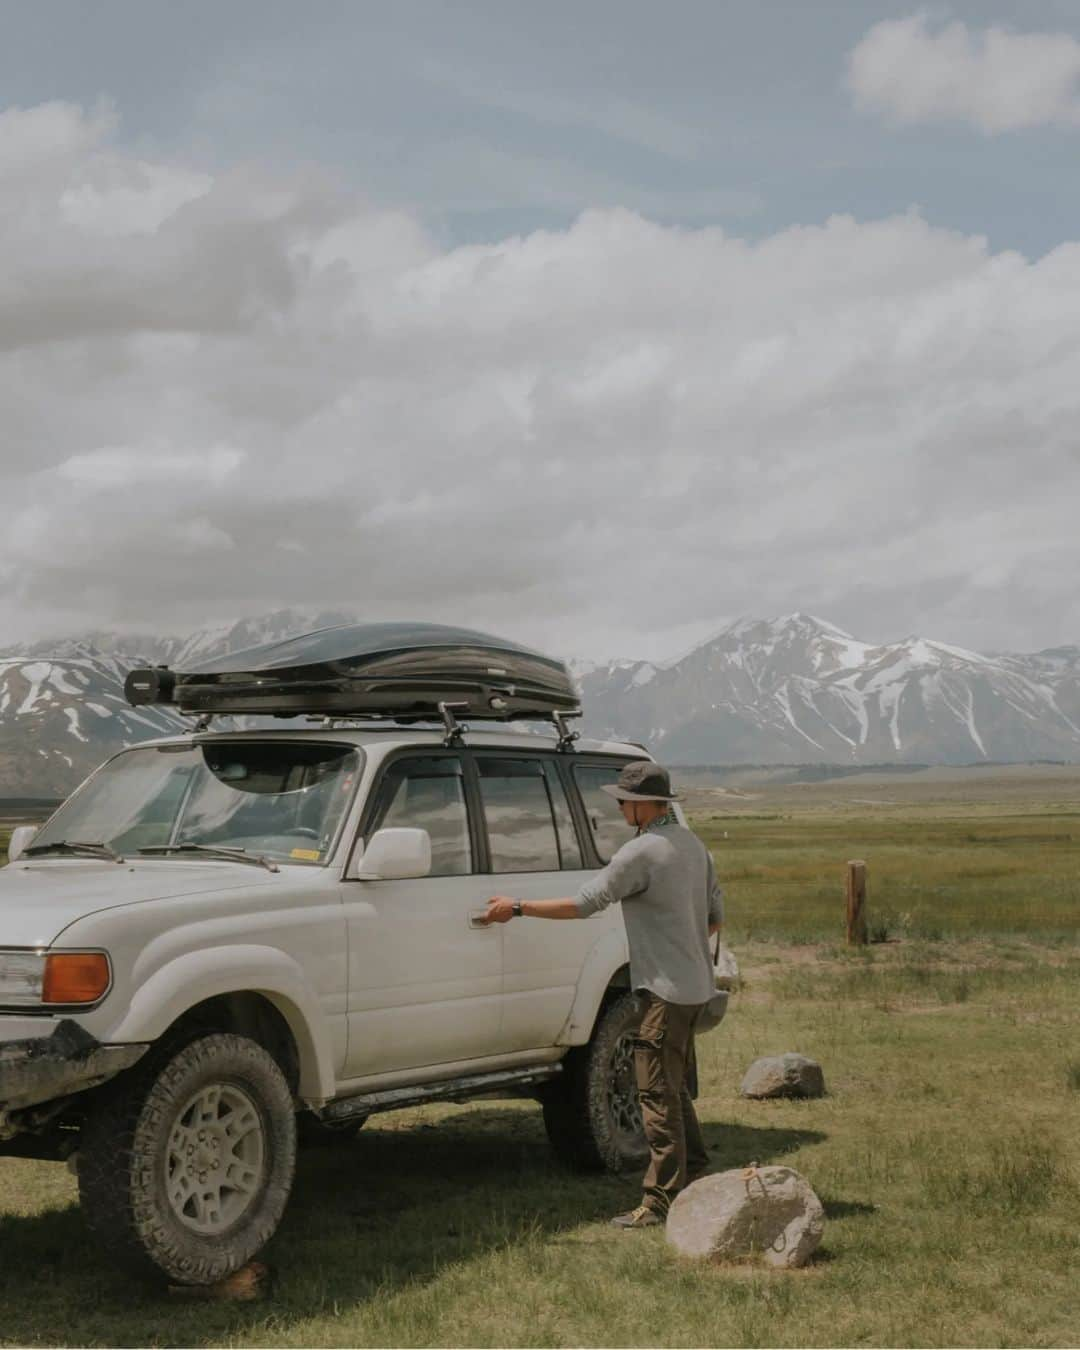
{"x": 791, "y": 690}
{"x": 800, "y": 689}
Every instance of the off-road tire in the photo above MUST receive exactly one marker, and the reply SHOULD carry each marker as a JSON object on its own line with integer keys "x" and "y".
{"x": 128, "y": 1141}
{"x": 589, "y": 1108}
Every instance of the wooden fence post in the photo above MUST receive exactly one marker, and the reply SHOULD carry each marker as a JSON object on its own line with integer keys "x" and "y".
{"x": 856, "y": 904}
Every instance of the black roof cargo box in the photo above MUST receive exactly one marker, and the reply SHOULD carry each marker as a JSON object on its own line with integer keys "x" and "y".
{"x": 401, "y": 671}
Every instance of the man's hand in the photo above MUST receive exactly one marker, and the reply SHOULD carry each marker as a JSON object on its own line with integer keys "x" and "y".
{"x": 500, "y": 909}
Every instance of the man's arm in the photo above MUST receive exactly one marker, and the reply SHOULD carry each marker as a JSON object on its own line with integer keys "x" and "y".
{"x": 624, "y": 876}
{"x": 501, "y": 908}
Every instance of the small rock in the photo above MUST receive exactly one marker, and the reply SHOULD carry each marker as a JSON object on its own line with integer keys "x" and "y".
{"x": 767, "y": 1211}
{"x": 784, "y": 1076}
{"x": 249, "y": 1283}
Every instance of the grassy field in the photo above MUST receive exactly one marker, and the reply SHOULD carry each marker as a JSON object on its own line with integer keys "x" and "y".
{"x": 950, "y": 853}
{"x": 946, "y": 1151}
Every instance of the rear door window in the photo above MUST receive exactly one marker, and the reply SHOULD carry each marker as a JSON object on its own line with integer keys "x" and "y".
{"x": 569, "y": 844}
{"x": 427, "y": 792}
{"x": 519, "y": 815}
{"x": 609, "y": 830}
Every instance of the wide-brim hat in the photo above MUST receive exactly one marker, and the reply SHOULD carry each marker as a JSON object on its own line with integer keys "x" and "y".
{"x": 642, "y": 781}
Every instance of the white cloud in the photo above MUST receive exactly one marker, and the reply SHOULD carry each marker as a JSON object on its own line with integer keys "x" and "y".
{"x": 598, "y": 439}
{"x": 121, "y": 197}
{"x": 108, "y": 469}
{"x": 993, "y": 79}
{"x": 39, "y": 138}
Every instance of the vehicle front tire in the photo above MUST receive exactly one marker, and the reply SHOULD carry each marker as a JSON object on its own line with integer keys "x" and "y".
{"x": 185, "y": 1170}
{"x": 592, "y": 1114}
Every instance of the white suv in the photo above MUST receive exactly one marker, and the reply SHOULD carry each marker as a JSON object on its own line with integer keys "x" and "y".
{"x": 223, "y": 933}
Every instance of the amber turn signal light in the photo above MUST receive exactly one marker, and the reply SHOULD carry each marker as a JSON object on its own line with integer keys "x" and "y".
{"x": 75, "y": 977}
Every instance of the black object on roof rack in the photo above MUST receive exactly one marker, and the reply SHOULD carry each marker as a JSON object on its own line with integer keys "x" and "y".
{"x": 386, "y": 670}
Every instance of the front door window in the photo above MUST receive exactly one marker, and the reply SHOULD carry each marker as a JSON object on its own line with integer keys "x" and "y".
{"x": 428, "y": 793}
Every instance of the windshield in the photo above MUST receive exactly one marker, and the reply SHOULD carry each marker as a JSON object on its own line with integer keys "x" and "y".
{"x": 285, "y": 799}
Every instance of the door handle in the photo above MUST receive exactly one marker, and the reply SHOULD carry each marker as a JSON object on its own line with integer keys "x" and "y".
{"x": 476, "y": 917}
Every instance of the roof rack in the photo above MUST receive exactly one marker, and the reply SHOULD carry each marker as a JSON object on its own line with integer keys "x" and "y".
{"x": 455, "y": 732}
{"x": 566, "y": 736}
{"x": 402, "y": 672}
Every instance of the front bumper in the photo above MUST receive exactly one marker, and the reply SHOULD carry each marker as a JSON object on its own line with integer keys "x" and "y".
{"x": 43, "y": 1068}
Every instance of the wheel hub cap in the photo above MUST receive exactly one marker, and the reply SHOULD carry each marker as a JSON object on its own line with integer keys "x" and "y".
{"x": 623, "y": 1094}
{"x": 216, "y": 1158}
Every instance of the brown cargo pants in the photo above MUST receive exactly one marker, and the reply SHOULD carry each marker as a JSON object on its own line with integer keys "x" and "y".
{"x": 664, "y": 1066}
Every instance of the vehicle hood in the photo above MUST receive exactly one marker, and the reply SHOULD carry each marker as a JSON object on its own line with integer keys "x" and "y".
{"x": 39, "y": 899}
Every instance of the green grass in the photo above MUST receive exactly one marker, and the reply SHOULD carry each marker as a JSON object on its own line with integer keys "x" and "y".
{"x": 946, "y": 1151}
{"x": 945, "y": 1154}
{"x": 947, "y": 876}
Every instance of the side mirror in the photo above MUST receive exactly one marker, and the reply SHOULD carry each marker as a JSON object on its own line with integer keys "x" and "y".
{"x": 20, "y": 839}
{"x": 394, "y": 855}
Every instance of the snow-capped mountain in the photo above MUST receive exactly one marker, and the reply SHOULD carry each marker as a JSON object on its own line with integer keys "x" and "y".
{"x": 184, "y": 653}
{"x": 800, "y": 690}
{"x": 791, "y": 690}
{"x": 60, "y": 718}
{"x": 62, "y": 704}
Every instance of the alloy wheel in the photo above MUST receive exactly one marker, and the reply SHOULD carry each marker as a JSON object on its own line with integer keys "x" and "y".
{"x": 623, "y": 1102}
{"x": 215, "y": 1164}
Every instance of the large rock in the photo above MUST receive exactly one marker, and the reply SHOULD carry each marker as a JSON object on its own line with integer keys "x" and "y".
{"x": 784, "y": 1076}
{"x": 767, "y": 1211}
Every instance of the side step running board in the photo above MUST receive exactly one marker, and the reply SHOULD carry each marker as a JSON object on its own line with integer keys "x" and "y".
{"x": 504, "y": 1082}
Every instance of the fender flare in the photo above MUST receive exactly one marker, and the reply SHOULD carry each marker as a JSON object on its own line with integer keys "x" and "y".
{"x": 605, "y": 958}
{"x": 194, "y": 977}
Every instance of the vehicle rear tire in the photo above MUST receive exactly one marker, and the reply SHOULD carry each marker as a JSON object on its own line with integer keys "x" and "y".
{"x": 592, "y": 1115}
{"x": 186, "y": 1169}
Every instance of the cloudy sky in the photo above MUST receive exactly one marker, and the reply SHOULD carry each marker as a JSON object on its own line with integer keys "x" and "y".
{"x": 596, "y": 324}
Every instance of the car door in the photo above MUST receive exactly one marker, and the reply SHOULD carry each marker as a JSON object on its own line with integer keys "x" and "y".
{"x": 533, "y": 851}
{"x": 425, "y": 985}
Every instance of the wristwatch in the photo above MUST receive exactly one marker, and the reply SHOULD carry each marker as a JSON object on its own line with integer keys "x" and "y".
{"x": 518, "y": 911}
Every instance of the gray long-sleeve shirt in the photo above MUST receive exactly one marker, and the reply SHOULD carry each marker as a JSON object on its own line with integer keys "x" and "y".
{"x": 667, "y": 884}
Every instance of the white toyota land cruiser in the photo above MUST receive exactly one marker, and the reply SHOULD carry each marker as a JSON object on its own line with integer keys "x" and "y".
{"x": 222, "y": 931}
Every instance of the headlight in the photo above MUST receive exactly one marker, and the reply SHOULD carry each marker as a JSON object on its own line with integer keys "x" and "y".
{"x": 22, "y": 975}
{"x": 52, "y": 979}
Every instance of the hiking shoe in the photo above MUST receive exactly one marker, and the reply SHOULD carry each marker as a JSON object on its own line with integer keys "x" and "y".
{"x": 642, "y": 1217}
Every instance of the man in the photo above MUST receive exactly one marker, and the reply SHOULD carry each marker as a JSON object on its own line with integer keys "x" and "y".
{"x": 665, "y": 879}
